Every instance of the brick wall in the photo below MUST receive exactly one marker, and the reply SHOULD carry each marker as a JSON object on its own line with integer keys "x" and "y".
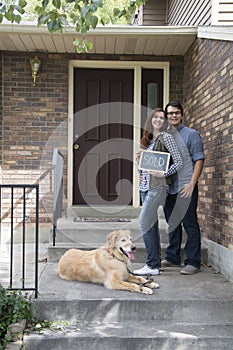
{"x": 35, "y": 118}
{"x": 32, "y": 119}
{"x": 208, "y": 101}
{"x": 31, "y": 113}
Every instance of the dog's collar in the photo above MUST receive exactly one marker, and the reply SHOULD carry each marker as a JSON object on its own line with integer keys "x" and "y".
{"x": 114, "y": 256}
{"x": 108, "y": 251}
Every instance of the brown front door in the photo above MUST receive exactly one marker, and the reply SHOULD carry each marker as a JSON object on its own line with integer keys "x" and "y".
{"x": 103, "y": 136}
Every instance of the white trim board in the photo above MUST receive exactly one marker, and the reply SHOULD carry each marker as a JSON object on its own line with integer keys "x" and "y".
{"x": 216, "y": 32}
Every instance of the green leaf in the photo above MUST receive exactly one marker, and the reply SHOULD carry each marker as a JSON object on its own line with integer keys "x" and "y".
{"x": 84, "y": 11}
{"x": 56, "y": 3}
{"x": 1, "y": 18}
{"x": 39, "y": 10}
{"x": 74, "y": 18}
{"x": 140, "y": 2}
{"x": 17, "y": 18}
{"x": 83, "y": 30}
{"x": 116, "y": 12}
{"x": 82, "y": 46}
{"x": 45, "y": 3}
{"x": 93, "y": 21}
{"x": 78, "y": 28}
{"x": 122, "y": 13}
{"x": 22, "y": 3}
{"x": 93, "y": 8}
{"x": 43, "y": 19}
{"x": 54, "y": 26}
{"x": 79, "y": 49}
{"x": 98, "y": 3}
{"x": 89, "y": 45}
{"x": 64, "y": 21}
{"x": 76, "y": 42}
{"x": 19, "y": 9}
{"x": 8, "y": 16}
{"x": 53, "y": 14}
{"x": 102, "y": 21}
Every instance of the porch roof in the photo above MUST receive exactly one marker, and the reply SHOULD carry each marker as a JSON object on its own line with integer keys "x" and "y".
{"x": 124, "y": 39}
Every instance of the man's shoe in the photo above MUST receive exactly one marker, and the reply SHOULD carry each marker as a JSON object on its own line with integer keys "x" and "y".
{"x": 146, "y": 270}
{"x": 189, "y": 270}
{"x": 166, "y": 263}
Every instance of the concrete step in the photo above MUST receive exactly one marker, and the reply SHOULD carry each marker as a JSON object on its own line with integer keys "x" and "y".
{"x": 55, "y": 252}
{"x": 186, "y": 312}
{"x": 121, "y": 310}
{"x": 104, "y": 211}
{"x": 205, "y": 297}
{"x": 88, "y": 223}
{"x": 91, "y": 235}
{"x": 133, "y": 335}
{"x": 76, "y": 232}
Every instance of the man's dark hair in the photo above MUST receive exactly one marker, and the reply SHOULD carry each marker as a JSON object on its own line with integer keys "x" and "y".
{"x": 174, "y": 104}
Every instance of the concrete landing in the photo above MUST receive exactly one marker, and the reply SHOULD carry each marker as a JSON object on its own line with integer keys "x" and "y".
{"x": 206, "y": 285}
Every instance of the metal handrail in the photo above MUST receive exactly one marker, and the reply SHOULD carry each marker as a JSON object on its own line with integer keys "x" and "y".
{"x": 12, "y": 187}
{"x": 57, "y": 164}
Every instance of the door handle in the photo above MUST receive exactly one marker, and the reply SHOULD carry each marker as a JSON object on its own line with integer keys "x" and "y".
{"x": 76, "y": 146}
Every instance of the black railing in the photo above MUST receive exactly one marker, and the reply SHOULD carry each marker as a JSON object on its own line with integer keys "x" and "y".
{"x": 15, "y": 199}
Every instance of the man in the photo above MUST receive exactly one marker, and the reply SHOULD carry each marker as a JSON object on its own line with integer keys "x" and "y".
{"x": 181, "y": 203}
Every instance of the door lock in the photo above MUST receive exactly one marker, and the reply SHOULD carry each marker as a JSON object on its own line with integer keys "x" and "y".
{"x": 76, "y": 146}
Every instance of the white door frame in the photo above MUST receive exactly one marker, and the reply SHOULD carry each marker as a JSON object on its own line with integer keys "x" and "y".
{"x": 137, "y": 67}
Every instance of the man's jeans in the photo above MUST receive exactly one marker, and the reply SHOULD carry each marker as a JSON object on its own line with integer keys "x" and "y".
{"x": 179, "y": 210}
{"x": 148, "y": 224}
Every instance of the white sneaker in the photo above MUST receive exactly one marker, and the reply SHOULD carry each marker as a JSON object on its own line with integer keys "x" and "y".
{"x": 146, "y": 270}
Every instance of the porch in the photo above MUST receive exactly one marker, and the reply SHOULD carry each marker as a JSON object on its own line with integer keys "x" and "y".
{"x": 187, "y": 312}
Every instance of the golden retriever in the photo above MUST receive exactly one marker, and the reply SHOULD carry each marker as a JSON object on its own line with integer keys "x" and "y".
{"x": 108, "y": 265}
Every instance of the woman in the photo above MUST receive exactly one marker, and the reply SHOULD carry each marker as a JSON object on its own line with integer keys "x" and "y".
{"x": 153, "y": 186}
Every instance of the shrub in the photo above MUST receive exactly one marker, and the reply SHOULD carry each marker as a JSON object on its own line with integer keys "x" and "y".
{"x": 13, "y": 307}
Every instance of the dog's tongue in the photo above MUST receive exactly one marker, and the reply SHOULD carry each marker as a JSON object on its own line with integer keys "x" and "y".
{"x": 131, "y": 256}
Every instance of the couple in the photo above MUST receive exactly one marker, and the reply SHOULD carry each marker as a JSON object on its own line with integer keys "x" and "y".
{"x": 176, "y": 190}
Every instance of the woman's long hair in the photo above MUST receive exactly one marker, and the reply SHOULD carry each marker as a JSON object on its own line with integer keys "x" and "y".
{"x": 148, "y": 129}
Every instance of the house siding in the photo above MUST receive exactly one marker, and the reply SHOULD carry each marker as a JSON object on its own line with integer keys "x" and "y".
{"x": 190, "y": 12}
{"x": 154, "y": 13}
{"x": 225, "y": 13}
{"x": 208, "y": 82}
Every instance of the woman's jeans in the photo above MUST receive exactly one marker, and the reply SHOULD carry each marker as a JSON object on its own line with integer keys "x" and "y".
{"x": 148, "y": 224}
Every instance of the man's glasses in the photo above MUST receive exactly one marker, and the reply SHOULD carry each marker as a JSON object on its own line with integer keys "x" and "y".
{"x": 172, "y": 113}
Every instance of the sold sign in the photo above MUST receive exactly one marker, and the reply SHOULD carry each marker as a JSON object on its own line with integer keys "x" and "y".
{"x": 153, "y": 160}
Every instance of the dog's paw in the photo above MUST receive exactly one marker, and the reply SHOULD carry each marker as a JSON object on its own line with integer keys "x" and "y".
{"x": 146, "y": 290}
{"x": 153, "y": 285}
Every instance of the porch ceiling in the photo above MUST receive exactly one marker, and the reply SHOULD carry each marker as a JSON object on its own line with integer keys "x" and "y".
{"x": 138, "y": 40}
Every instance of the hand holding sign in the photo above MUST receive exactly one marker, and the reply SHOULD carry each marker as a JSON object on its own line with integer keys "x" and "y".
{"x": 154, "y": 161}
{"x": 157, "y": 173}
